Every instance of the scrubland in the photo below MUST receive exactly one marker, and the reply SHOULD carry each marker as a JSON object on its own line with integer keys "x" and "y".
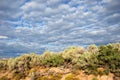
{"x": 74, "y": 63}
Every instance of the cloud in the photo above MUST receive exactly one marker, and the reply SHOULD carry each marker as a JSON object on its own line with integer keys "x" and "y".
{"x": 3, "y": 37}
{"x": 112, "y": 5}
{"x": 38, "y": 25}
{"x": 10, "y": 9}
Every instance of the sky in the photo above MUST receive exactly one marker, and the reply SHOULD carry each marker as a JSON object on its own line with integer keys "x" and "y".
{"x": 39, "y": 25}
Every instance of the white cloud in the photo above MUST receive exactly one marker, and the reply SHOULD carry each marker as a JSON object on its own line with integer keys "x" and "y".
{"x": 3, "y": 37}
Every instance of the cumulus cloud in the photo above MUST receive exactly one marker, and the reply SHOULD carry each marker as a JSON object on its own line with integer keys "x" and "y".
{"x": 38, "y": 25}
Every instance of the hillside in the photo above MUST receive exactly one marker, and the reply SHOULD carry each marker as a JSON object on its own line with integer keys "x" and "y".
{"x": 74, "y": 63}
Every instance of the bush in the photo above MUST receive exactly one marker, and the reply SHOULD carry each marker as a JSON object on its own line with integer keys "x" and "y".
{"x": 57, "y": 77}
{"x": 71, "y": 77}
{"x": 107, "y": 71}
{"x": 3, "y": 64}
{"x": 53, "y": 60}
{"x": 72, "y": 53}
{"x": 87, "y": 60}
{"x": 109, "y": 57}
{"x": 19, "y": 75}
{"x": 36, "y": 60}
{"x": 95, "y": 78}
{"x": 21, "y": 63}
{"x": 4, "y": 78}
{"x": 12, "y": 64}
{"x": 24, "y": 62}
{"x": 44, "y": 78}
{"x": 51, "y": 77}
{"x": 117, "y": 46}
{"x": 93, "y": 49}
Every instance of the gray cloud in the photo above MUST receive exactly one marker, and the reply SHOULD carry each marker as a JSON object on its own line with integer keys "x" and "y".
{"x": 113, "y": 5}
{"x": 10, "y": 9}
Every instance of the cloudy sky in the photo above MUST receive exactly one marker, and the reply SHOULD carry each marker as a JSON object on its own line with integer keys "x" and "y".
{"x": 38, "y": 25}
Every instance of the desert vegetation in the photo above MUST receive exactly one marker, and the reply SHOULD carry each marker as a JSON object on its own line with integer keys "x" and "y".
{"x": 94, "y": 60}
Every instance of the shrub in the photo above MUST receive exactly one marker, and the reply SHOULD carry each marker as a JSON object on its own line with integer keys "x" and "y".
{"x": 109, "y": 57}
{"x": 71, "y": 77}
{"x": 3, "y": 64}
{"x": 107, "y": 71}
{"x": 117, "y": 46}
{"x": 20, "y": 63}
{"x": 44, "y": 78}
{"x": 87, "y": 60}
{"x": 12, "y": 64}
{"x": 57, "y": 77}
{"x": 4, "y": 78}
{"x": 24, "y": 62}
{"x": 95, "y": 78}
{"x": 47, "y": 54}
{"x": 36, "y": 60}
{"x": 72, "y": 53}
{"x": 93, "y": 49}
{"x": 53, "y": 60}
{"x": 19, "y": 75}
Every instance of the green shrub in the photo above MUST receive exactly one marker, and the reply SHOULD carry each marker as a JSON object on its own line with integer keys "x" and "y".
{"x": 95, "y": 78}
{"x": 53, "y": 60}
{"x": 71, "y": 77}
{"x": 57, "y": 77}
{"x": 4, "y": 78}
{"x": 19, "y": 75}
{"x": 21, "y": 63}
{"x": 107, "y": 71}
{"x": 87, "y": 60}
{"x": 117, "y": 46}
{"x": 109, "y": 57}
{"x": 50, "y": 77}
{"x": 100, "y": 72}
{"x": 71, "y": 53}
{"x": 93, "y": 49}
{"x": 12, "y": 64}
{"x": 3, "y": 64}
{"x": 44, "y": 78}
{"x": 36, "y": 60}
{"x": 24, "y": 62}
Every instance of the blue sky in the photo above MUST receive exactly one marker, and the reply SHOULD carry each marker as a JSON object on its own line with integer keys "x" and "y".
{"x": 38, "y": 25}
